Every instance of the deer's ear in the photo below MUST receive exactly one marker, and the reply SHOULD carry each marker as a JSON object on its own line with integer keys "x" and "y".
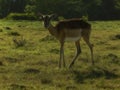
{"x": 53, "y": 16}
{"x": 41, "y": 16}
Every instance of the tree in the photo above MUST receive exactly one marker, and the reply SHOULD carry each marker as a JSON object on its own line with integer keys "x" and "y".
{"x": 5, "y": 6}
{"x": 94, "y": 9}
{"x": 8, "y": 6}
{"x": 18, "y": 5}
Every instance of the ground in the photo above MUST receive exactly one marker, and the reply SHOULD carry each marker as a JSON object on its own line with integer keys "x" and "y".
{"x": 29, "y": 58}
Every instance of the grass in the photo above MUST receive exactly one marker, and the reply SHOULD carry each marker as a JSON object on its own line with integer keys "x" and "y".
{"x": 29, "y": 58}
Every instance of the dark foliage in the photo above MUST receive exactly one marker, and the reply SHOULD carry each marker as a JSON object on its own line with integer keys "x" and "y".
{"x": 92, "y": 9}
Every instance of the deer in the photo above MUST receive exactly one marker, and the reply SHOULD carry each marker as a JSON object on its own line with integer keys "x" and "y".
{"x": 69, "y": 30}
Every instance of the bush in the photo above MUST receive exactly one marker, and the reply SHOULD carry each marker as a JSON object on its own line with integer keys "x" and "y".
{"x": 13, "y": 33}
{"x": 61, "y": 18}
{"x": 1, "y": 30}
{"x": 85, "y": 18}
{"x": 19, "y": 42}
{"x": 21, "y": 16}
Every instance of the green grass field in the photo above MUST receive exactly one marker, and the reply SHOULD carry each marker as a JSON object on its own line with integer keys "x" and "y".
{"x": 29, "y": 58}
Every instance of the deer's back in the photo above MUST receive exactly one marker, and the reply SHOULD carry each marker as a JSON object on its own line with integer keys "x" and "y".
{"x": 73, "y": 24}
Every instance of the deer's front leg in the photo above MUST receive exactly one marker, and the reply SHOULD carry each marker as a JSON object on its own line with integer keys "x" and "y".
{"x": 62, "y": 55}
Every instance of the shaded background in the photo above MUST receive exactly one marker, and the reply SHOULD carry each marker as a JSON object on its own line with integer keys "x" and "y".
{"x": 92, "y": 9}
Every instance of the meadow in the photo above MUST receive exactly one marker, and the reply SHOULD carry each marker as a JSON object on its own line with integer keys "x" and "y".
{"x": 29, "y": 58}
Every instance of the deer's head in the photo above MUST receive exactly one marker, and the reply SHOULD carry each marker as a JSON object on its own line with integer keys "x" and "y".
{"x": 46, "y": 19}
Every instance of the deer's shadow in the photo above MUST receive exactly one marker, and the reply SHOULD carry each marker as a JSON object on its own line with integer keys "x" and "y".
{"x": 93, "y": 73}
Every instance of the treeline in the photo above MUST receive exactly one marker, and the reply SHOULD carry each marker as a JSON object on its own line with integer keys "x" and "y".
{"x": 93, "y": 9}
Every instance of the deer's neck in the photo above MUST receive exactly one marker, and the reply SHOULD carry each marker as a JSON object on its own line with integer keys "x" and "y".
{"x": 52, "y": 30}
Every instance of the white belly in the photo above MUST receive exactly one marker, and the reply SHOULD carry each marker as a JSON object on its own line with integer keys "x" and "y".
{"x": 73, "y": 35}
{"x": 72, "y": 38}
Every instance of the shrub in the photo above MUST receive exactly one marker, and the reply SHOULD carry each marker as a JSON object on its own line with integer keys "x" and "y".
{"x": 21, "y": 16}
{"x": 46, "y": 80}
{"x": 7, "y": 28}
{"x": 13, "y": 33}
{"x": 19, "y": 42}
{"x": 31, "y": 70}
{"x": 1, "y": 30}
{"x": 85, "y": 18}
{"x": 115, "y": 37}
{"x": 17, "y": 87}
{"x": 61, "y": 18}
{"x": 1, "y": 63}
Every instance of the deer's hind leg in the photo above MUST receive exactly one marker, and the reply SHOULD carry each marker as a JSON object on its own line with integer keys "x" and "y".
{"x": 86, "y": 37}
{"x": 77, "y": 44}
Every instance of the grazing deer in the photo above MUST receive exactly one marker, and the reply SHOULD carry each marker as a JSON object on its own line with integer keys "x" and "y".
{"x": 69, "y": 30}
